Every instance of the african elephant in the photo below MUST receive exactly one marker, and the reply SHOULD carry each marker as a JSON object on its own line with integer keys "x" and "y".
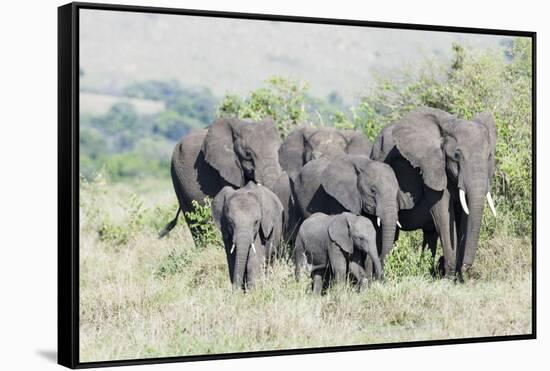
{"x": 230, "y": 152}
{"x": 356, "y": 184}
{"x": 340, "y": 242}
{"x": 308, "y": 143}
{"x": 446, "y": 165}
{"x": 250, "y": 220}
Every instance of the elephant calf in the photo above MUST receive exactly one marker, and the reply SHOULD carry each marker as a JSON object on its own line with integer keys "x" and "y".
{"x": 341, "y": 242}
{"x": 251, "y": 222}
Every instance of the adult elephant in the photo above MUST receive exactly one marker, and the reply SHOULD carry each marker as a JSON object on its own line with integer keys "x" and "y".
{"x": 308, "y": 143}
{"x": 353, "y": 183}
{"x": 230, "y": 152}
{"x": 446, "y": 165}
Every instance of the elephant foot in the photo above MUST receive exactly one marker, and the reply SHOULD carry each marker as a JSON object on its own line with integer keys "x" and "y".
{"x": 444, "y": 270}
{"x": 459, "y": 278}
{"x": 363, "y": 285}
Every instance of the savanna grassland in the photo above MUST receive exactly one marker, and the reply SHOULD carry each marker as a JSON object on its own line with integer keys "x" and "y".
{"x": 142, "y": 297}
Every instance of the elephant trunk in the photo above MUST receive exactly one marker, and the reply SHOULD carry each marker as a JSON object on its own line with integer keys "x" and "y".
{"x": 268, "y": 172}
{"x": 242, "y": 245}
{"x": 475, "y": 196}
{"x": 376, "y": 262}
{"x": 389, "y": 221}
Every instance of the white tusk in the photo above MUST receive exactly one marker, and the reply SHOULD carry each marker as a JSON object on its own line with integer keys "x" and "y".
{"x": 232, "y": 249}
{"x": 462, "y": 196}
{"x": 253, "y": 248}
{"x": 399, "y": 225}
{"x": 491, "y": 204}
{"x": 378, "y": 221}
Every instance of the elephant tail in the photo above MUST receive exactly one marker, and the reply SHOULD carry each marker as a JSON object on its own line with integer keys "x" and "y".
{"x": 170, "y": 225}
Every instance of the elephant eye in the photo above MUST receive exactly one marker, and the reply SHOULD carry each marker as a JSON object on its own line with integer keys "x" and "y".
{"x": 458, "y": 155}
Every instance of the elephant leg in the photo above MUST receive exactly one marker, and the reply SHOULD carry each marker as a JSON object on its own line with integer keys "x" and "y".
{"x": 338, "y": 264}
{"x": 443, "y": 218}
{"x": 369, "y": 264}
{"x": 358, "y": 273}
{"x": 430, "y": 241}
{"x": 317, "y": 281}
{"x": 369, "y": 268}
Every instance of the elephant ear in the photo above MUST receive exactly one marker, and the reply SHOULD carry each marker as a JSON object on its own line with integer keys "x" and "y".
{"x": 418, "y": 138}
{"x": 218, "y": 204}
{"x": 219, "y": 152}
{"x": 340, "y": 182}
{"x": 384, "y": 144}
{"x": 338, "y": 231}
{"x": 272, "y": 210}
{"x": 358, "y": 144}
{"x": 291, "y": 152}
{"x": 487, "y": 120}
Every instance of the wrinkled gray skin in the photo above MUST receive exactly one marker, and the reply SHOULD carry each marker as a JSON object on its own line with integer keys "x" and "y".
{"x": 308, "y": 143}
{"x": 434, "y": 154}
{"x": 356, "y": 184}
{"x": 249, "y": 216}
{"x": 336, "y": 247}
{"x": 230, "y": 152}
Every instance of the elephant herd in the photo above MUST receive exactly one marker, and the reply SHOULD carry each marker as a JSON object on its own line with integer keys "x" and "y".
{"x": 339, "y": 200}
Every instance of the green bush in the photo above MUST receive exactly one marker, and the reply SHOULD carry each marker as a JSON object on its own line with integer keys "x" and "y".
{"x": 283, "y": 100}
{"x": 120, "y": 234}
{"x": 202, "y": 226}
{"x": 174, "y": 263}
{"x": 407, "y": 259}
{"x": 91, "y": 191}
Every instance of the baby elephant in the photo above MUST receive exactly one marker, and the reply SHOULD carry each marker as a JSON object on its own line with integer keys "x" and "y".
{"x": 340, "y": 242}
{"x": 251, "y": 222}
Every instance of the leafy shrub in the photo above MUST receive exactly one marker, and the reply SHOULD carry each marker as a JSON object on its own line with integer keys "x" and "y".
{"x": 174, "y": 263}
{"x": 201, "y": 225}
{"x": 283, "y": 100}
{"x": 91, "y": 191}
{"x": 120, "y": 234}
{"x": 362, "y": 118}
{"x": 407, "y": 258}
{"x": 113, "y": 233}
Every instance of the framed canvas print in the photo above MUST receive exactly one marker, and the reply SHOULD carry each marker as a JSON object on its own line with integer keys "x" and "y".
{"x": 242, "y": 185}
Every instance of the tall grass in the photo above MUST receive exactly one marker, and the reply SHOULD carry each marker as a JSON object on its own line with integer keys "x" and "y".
{"x": 153, "y": 298}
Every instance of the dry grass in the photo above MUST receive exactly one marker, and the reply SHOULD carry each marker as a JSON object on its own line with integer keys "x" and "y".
{"x": 130, "y": 310}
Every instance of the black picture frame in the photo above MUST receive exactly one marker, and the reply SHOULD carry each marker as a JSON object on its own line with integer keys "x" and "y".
{"x": 68, "y": 182}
